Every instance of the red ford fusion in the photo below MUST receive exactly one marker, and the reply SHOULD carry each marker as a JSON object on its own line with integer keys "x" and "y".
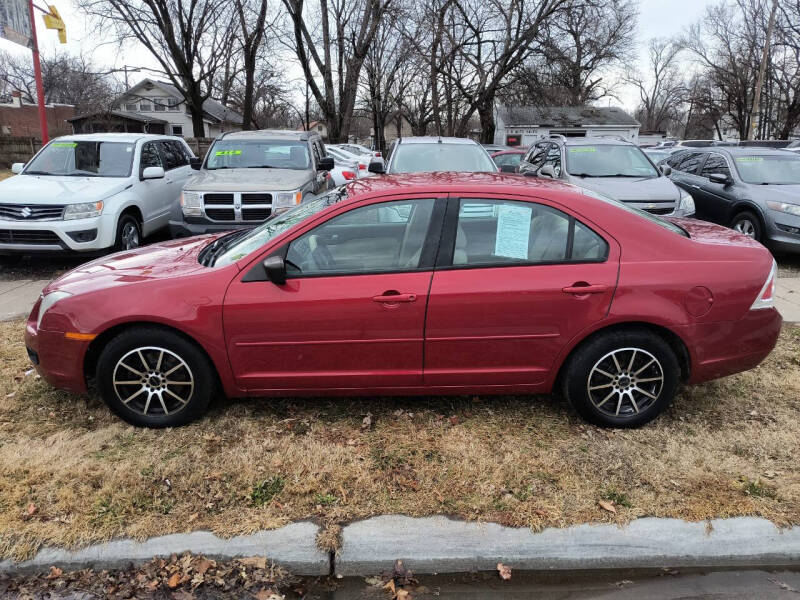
{"x": 446, "y": 283}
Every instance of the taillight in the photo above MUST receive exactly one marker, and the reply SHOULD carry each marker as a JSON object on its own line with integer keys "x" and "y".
{"x": 766, "y": 297}
{"x": 377, "y": 155}
{"x": 349, "y": 175}
{"x": 361, "y": 166}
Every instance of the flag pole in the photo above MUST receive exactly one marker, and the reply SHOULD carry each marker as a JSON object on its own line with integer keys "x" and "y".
{"x": 37, "y": 73}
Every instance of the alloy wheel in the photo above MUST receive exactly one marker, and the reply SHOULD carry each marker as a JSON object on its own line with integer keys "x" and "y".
{"x": 129, "y": 236}
{"x": 746, "y": 227}
{"x": 625, "y": 382}
{"x": 153, "y": 381}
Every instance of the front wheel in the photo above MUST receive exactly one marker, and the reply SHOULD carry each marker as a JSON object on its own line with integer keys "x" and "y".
{"x": 129, "y": 233}
{"x": 622, "y": 379}
{"x": 747, "y": 224}
{"x": 152, "y": 377}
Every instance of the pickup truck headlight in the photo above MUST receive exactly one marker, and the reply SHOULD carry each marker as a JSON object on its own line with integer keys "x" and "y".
{"x": 48, "y": 301}
{"x": 686, "y": 203}
{"x": 192, "y": 204}
{"x": 286, "y": 199}
{"x": 83, "y": 210}
{"x": 792, "y": 209}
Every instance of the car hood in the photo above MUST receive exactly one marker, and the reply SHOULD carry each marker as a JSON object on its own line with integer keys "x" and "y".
{"x": 779, "y": 193}
{"x": 247, "y": 180}
{"x": 53, "y": 189}
{"x": 632, "y": 189}
{"x": 170, "y": 259}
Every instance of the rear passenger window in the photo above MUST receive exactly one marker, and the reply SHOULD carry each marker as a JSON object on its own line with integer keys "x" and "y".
{"x": 715, "y": 163}
{"x": 499, "y": 232}
{"x": 689, "y": 162}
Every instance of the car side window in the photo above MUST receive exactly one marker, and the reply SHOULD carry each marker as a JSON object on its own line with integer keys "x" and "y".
{"x": 173, "y": 158}
{"x": 689, "y": 162}
{"x": 315, "y": 150}
{"x": 380, "y": 238}
{"x": 715, "y": 163}
{"x": 503, "y": 232}
{"x": 150, "y": 156}
{"x": 553, "y": 158}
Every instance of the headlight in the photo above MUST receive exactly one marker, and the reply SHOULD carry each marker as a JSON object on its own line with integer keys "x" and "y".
{"x": 286, "y": 199}
{"x": 83, "y": 210}
{"x": 192, "y": 204}
{"x": 47, "y": 303}
{"x": 792, "y": 209}
{"x": 686, "y": 203}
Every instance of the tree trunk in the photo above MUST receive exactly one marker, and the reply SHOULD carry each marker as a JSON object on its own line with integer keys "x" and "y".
{"x": 195, "y": 105}
{"x": 249, "y": 85}
{"x": 486, "y": 115}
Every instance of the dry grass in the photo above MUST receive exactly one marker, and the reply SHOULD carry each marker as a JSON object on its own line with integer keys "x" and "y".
{"x": 5, "y": 174}
{"x": 726, "y": 448}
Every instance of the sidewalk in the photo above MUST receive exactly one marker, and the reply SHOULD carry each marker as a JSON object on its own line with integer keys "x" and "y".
{"x": 18, "y": 297}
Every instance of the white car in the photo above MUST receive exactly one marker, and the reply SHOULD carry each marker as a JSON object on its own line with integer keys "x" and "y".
{"x": 342, "y": 173}
{"x": 91, "y": 193}
{"x": 359, "y": 149}
{"x": 345, "y": 157}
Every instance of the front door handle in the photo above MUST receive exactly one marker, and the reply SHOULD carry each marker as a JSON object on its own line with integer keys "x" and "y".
{"x": 393, "y": 297}
{"x": 581, "y": 288}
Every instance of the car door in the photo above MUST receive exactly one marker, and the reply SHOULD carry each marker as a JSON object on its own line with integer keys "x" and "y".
{"x": 320, "y": 181}
{"x": 515, "y": 281}
{"x": 714, "y": 201}
{"x": 685, "y": 173}
{"x": 177, "y": 170}
{"x": 352, "y": 310}
{"x": 153, "y": 193}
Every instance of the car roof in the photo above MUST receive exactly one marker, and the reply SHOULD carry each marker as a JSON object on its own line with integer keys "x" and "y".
{"x": 260, "y": 134}
{"x": 432, "y": 139}
{"x": 593, "y": 141}
{"x": 743, "y": 150}
{"x": 115, "y": 137}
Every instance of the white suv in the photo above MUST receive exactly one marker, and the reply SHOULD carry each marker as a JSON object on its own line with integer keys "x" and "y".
{"x": 90, "y": 193}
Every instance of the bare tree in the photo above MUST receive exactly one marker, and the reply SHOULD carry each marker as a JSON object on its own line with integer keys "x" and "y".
{"x": 190, "y": 39}
{"x": 347, "y": 29}
{"x": 662, "y": 90}
{"x": 252, "y": 20}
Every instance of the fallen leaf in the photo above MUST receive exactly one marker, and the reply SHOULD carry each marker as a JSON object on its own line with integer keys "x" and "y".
{"x": 11, "y": 394}
{"x": 504, "y": 571}
{"x": 193, "y": 517}
{"x": 770, "y": 474}
{"x": 182, "y": 595}
{"x": 174, "y": 581}
{"x": 454, "y": 420}
{"x": 366, "y": 422}
{"x": 374, "y": 581}
{"x": 203, "y": 565}
{"x": 607, "y": 505}
{"x": 32, "y": 509}
{"x": 402, "y": 595}
{"x": 267, "y": 594}
{"x": 389, "y": 586}
{"x": 258, "y": 562}
{"x": 54, "y": 573}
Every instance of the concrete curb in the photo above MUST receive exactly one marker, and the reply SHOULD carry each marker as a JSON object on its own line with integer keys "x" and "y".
{"x": 442, "y": 545}
{"x": 293, "y": 547}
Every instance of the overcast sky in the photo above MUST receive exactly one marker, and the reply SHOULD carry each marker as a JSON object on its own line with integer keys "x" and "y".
{"x": 657, "y": 18}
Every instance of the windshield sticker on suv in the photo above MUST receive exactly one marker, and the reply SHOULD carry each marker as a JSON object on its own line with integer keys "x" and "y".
{"x": 581, "y": 149}
{"x": 749, "y": 159}
{"x": 64, "y": 144}
{"x": 227, "y": 152}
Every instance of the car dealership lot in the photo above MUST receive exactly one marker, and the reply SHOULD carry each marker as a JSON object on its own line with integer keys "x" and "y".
{"x": 72, "y": 473}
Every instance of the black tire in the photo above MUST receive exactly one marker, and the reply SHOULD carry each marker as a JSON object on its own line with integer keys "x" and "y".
{"x": 747, "y": 223}
{"x": 128, "y": 401}
{"x": 592, "y": 363}
{"x": 129, "y": 233}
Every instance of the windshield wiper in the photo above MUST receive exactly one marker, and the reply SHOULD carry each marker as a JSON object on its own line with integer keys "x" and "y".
{"x": 81, "y": 173}
{"x": 40, "y": 173}
{"x": 261, "y": 167}
{"x": 221, "y": 244}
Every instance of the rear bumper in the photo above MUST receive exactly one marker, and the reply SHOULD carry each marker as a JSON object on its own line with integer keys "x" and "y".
{"x": 57, "y": 359}
{"x": 732, "y": 347}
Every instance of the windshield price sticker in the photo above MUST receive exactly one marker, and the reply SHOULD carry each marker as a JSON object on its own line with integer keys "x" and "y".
{"x": 749, "y": 159}
{"x": 227, "y": 152}
{"x": 65, "y": 144}
{"x": 582, "y": 149}
{"x": 513, "y": 231}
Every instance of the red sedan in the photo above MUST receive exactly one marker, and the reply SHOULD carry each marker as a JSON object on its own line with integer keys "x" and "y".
{"x": 445, "y": 283}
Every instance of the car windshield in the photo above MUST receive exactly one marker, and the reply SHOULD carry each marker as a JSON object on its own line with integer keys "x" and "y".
{"x": 769, "y": 169}
{"x": 254, "y": 154}
{"x": 608, "y": 160}
{"x": 644, "y": 214}
{"x": 83, "y": 158}
{"x": 511, "y": 159}
{"x": 421, "y": 158}
{"x": 272, "y": 228}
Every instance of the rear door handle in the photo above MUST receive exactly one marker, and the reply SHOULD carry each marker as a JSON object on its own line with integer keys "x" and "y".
{"x": 585, "y": 289}
{"x": 394, "y": 297}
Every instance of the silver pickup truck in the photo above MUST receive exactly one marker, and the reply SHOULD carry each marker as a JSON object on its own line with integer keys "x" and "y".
{"x": 249, "y": 175}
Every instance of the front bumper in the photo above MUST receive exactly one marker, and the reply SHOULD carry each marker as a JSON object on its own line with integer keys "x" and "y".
{"x": 783, "y": 233}
{"x": 78, "y": 235}
{"x": 57, "y": 359}
{"x": 730, "y": 347}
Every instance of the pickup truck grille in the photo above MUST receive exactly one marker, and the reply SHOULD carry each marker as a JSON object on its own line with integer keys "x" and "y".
{"x": 237, "y": 207}
{"x": 28, "y": 236}
{"x": 31, "y": 212}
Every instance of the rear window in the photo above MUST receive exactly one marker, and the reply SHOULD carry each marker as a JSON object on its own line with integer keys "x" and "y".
{"x": 426, "y": 158}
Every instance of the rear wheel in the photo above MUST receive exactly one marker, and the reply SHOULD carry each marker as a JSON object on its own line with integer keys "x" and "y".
{"x": 747, "y": 223}
{"x": 152, "y": 377}
{"x": 622, "y": 379}
{"x": 129, "y": 233}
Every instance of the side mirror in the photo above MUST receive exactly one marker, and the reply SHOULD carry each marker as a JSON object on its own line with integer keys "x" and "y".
{"x": 719, "y": 178}
{"x": 547, "y": 171}
{"x": 376, "y": 167}
{"x": 276, "y": 269}
{"x": 153, "y": 173}
{"x": 195, "y": 163}
{"x": 666, "y": 170}
{"x": 325, "y": 163}
{"x": 508, "y": 169}
{"x": 16, "y": 168}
